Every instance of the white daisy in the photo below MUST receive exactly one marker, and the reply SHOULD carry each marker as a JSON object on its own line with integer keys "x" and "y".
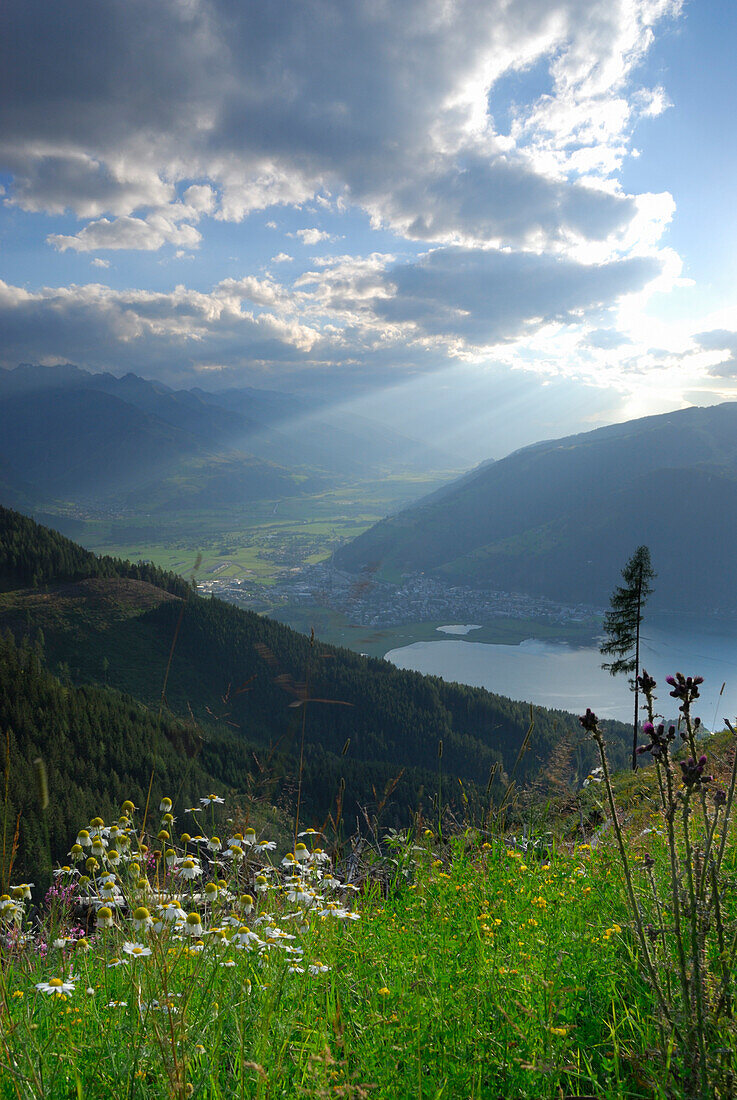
{"x": 55, "y": 986}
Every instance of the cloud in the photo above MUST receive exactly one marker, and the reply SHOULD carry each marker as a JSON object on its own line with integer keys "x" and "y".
{"x": 147, "y": 234}
{"x": 167, "y": 333}
{"x": 231, "y": 108}
{"x": 281, "y": 258}
{"x": 97, "y": 262}
{"x": 311, "y": 236}
{"x": 475, "y": 298}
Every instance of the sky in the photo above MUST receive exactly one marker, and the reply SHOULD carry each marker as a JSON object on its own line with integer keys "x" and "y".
{"x": 481, "y": 221}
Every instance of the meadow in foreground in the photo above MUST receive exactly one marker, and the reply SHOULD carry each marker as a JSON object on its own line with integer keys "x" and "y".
{"x": 475, "y": 966}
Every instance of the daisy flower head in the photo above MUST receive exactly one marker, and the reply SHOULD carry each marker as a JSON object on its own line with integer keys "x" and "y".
{"x": 193, "y": 924}
{"x": 172, "y": 911}
{"x": 22, "y": 890}
{"x": 141, "y": 918}
{"x": 310, "y": 832}
{"x": 301, "y": 853}
{"x": 318, "y": 967}
{"x": 128, "y": 807}
{"x": 214, "y": 844}
{"x": 249, "y": 837}
{"x": 265, "y": 845}
{"x": 189, "y": 869}
{"x": 212, "y": 800}
{"x": 56, "y": 987}
{"x": 77, "y": 852}
{"x": 136, "y": 950}
{"x": 83, "y": 838}
{"x": 261, "y": 884}
{"x": 165, "y": 805}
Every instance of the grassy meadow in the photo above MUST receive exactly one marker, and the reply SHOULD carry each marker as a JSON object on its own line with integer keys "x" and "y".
{"x": 451, "y": 960}
{"x": 260, "y": 540}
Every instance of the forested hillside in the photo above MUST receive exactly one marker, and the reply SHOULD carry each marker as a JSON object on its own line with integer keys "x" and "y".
{"x": 560, "y": 518}
{"x": 251, "y": 687}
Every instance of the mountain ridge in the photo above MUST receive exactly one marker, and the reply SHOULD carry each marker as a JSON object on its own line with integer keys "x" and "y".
{"x": 559, "y": 518}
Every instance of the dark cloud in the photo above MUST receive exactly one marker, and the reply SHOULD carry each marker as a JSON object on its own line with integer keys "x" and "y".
{"x": 720, "y": 340}
{"x": 108, "y": 106}
{"x": 487, "y": 297}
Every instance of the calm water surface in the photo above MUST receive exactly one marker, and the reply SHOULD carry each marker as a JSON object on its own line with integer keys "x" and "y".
{"x": 553, "y": 674}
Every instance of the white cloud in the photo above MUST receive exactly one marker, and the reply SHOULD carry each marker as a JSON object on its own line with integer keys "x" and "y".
{"x": 147, "y": 234}
{"x": 311, "y": 236}
{"x": 97, "y": 262}
{"x": 281, "y": 258}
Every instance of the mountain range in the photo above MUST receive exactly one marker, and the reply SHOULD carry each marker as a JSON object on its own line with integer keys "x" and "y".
{"x": 67, "y": 434}
{"x": 560, "y": 518}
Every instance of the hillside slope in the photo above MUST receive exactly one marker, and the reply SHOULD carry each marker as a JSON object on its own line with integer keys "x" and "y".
{"x": 257, "y": 687}
{"x": 560, "y": 518}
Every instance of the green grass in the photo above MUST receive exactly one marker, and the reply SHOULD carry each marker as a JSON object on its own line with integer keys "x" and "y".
{"x": 474, "y": 970}
{"x": 333, "y": 628}
{"x": 262, "y": 539}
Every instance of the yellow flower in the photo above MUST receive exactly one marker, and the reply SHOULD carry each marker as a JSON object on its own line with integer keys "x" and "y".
{"x": 384, "y": 992}
{"x": 562, "y": 1031}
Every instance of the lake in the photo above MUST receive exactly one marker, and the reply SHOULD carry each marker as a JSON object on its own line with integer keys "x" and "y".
{"x": 553, "y": 674}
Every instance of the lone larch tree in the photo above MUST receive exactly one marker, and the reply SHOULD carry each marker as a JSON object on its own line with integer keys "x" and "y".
{"x": 622, "y": 625}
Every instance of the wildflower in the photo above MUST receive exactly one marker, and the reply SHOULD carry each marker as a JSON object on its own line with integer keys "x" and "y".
{"x": 316, "y": 832}
{"x": 61, "y": 943}
{"x": 249, "y": 837}
{"x": 113, "y": 857}
{"x": 289, "y": 860}
{"x": 692, "y": 772}
{"x": 266, "y": 845}
{"x": 685, "y": 688}
{"x": 589, "y": 721}
{"x": 317, "y": 967}
{"x": 212, "y": 799}
{"x": 235, "y": 852}
{"x": 137, "y": 950}
{"x": 23, "y": 890}
{"x": 193, "y": 924}
{"x": 56, "y": 986}
{"x": 214, "y": 844}
{"x": 60, "y": 872}
{"x": 189, "y": 869}
{"x": 83, "y": 838}
{"x": 141, "y": 918}
{"x": 165, "y": 805}
{"x": 246, "y": 903}
{"x": 211, "y": 891}
{"x": 261, "y": 884}
{"x": 128, "y": 807}
{"x": 185, "y": 838}
{"x": 384, "y": 992}
{"x": 172, "y": 911}
{"x": 117, "y": 1004}
{"x": 561, "y": 1031}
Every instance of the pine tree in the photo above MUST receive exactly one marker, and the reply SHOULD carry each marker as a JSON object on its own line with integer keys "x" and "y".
{"x": 622, "y": 625}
